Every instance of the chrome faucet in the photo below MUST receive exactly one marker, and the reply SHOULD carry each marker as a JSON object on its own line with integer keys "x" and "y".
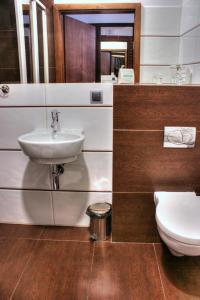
{"x": 55, "y": 121}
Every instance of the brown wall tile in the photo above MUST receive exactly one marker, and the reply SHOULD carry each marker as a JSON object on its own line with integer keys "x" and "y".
{"x": 153, "y": 107}
{"x": 7, "y": 13}
{"x": 141, "y": 164}
{"x": 134, "y": 218}
{"x": 9, "y": 62}
{"x": 9, "y": 75}
{"x": 9, "y": 50}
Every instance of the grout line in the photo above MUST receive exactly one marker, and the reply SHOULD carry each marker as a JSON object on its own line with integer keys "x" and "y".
{"x": 45, "y": 239}
{"x": 162, "y": 285}
{"x": 141, "y": 130}
{"x": 53, "y": 106}
{"x": 76, "y": 241}
{"x": 192, "y": 63}
{"x": 26, "y": 265}
{"x": 189, "y": 30}
{"x": 154, "y": 65}
{"x": 152, "y": 192}
{"x": 91, "y": 268}
{"x": 138, "y": 130}
{"x": 52, "y": 207}
{"x": 133, "y": 243}
{"x": 40, "y": 235}
{"x": 51, "y": 190}
{"x": 83, "y": 151}
{"x": 159, "y": 36}
{"x": 10, "y": 150}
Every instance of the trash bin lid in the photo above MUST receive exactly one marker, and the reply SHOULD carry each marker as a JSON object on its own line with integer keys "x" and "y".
{"x": 99, "y": 210}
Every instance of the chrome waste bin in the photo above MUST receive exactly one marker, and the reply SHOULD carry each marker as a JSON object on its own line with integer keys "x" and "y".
{"x": 100, "y": 220}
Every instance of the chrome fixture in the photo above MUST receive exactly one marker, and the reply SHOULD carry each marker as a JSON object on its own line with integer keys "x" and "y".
{"x": 55, "y": 121}
{"x": 57, "y": 170}
{"x": 5, "y": 89}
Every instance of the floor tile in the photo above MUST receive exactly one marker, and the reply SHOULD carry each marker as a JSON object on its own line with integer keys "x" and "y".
{"x": 14, "y": 255}
{"x": 57, "y": 270}
{"x": 20, "y": 231}
{"x": 124, "y": 271}
{"x": 180, "y": 275}
{"x": 66, "y": 233}
{"x": 134, "y": 218}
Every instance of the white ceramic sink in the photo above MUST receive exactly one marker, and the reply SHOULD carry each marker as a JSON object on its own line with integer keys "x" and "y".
{"x": 45, "y": 147}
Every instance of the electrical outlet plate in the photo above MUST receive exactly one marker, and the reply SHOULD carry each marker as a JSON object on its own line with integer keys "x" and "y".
{"x": 96, "y": 97}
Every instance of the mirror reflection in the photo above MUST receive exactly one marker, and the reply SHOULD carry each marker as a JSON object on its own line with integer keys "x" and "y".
{"x": 36, "y": 43}
{"x": 102, "y": 48}
{"x": 44, "y": 42}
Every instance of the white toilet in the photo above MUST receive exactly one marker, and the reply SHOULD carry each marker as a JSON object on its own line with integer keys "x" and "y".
{"x": 178, "y": 221}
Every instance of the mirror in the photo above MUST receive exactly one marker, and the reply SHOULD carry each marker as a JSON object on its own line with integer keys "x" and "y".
{"x": 113, "y": 57}
{"x": 33, "y": 41}
{"x": 42, "y": 41}
{"x": 103, "y": 44}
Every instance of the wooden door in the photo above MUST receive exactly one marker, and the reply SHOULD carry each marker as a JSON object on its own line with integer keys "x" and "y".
{"x": 80, "y": 51}
{"x": 105, "y": 63}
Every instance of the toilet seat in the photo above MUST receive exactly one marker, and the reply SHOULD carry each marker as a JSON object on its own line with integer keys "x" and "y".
{"x": 178, "y": 216}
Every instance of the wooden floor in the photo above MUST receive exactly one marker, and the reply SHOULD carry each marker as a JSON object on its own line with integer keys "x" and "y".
{"x": 55, "y": 263}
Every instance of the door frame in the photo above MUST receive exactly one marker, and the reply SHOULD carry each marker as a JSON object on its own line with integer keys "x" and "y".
{"x": 60, "y": 9}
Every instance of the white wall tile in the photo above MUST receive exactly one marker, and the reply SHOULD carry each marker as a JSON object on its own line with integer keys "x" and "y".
{"x": 161, "y": 20}
{"x": 24, "y": 95}
{"x": 160, "y": 2}
{"x": 26, "y": 207}
{"x": 96, "y": 123}
{"x": 144, "y": 2}
{"x": 70, "y": 207}
{"x": 159, "y": 50}
{"x": 195, "y": 68}
{"x": 147, "y": 73}
{"x": 92, "y": 171}
{"x": 190, "y": 47}
{"x": 190, "y": 15}
{"x": 17, "y": 171}
{"x": 195, "y": 74}
{"x": 77, "y": 93}
{"x": 17, "y": 121}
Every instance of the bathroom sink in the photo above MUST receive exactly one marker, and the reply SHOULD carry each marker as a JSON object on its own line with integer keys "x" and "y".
{"x": 47, "y": 147}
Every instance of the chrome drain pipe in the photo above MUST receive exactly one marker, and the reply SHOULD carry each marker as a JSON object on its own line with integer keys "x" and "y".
{"x": 57, "y": 170}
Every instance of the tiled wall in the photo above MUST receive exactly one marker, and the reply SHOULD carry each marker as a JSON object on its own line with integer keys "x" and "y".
{"x": 9, "y": 63}
{"x": 160, "y": 35}
{"x": 25, "y": 187}
{"x": 190, "y": 38}
{"x": 170, "y": 34}
{"x": 140, "y": 163}
{"x": 159, "y": 38}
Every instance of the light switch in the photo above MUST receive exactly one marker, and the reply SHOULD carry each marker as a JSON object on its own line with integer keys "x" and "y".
{"x": 96, "y": 97}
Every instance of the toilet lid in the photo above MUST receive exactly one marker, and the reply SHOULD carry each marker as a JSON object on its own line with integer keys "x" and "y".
{"x": 178, "y": 215}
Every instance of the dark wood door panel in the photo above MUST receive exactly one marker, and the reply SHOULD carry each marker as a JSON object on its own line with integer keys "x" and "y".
{"x": 142, "y": 164}
{"x": 8, "y": 50}
{"x": 153, "y": 107}
{"x": 134, "y": 218}
{"x": 105, "y": 62}
{"x": 80, "y": 51}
